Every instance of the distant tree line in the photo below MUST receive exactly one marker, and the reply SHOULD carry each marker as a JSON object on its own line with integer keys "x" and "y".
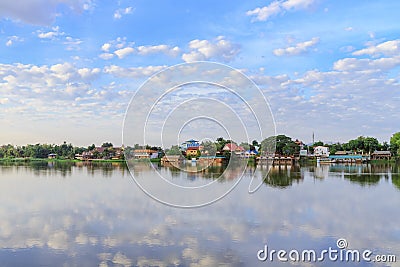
{"x": 286, "y": 146}
{"x": 66, "y": 151}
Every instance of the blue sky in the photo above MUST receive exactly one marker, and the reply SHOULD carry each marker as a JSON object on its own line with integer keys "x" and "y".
{"x": 68, "y": 68}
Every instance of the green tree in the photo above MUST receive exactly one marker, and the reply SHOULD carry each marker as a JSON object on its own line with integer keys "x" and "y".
{"x": 221, "y": 142}
{"x": 385, "y": 146}
{"x": 370, "y": 144}
{"x": 96, "y": 154}
{"x": 284, "y": 145}
{"x": 333, "y": 148}
{"x": 209, "y": 148}
{"x": 107, "y": 144}
{"x": 174, "y": 150}
{"x": 319, "y": 143}
{"x": 395, "y": 144}
{"x": 268, "y": 145}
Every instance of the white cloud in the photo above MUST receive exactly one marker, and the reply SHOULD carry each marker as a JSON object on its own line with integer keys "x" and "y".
{"x": 219, "y": 49}
{"x": 39, "y": 12}
{"x": 50, "y": 34}
{"x": 388, "y": 48}
{"x": 153, "y": 49}
{"x": 370, "y": 65}
{"x": 122, "y": 11}
{"x": 89, "y": 74}
{"x": 106, "y": 47}
{"x": 138, "y": 72}
{"x": 122, "y": 48}
{"x": 265, "y": 12}
{"x": 299, "y": 48}
{"x": 278, "y": 7}
{"x": 106, "y": 56}
{"x": 297, "y": 4}
{"x": 59, "y": 82}
{"x": 72, "y": 43}
{"x": 123, "y": 52}
{"x": 12, "y": 39}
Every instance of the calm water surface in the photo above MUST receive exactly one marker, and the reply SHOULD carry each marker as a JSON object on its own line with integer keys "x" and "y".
{"x": 95, "y": 215}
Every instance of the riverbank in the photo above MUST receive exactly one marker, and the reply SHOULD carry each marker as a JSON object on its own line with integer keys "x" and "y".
{"x": 56, "y": 160}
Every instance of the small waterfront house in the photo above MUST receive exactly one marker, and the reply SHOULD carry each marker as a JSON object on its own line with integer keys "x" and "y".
{"x": 52, "y": 156}
{"x": 250, "y": 153}
{"x": 190, "y": 144}
{"x": 171, "y": 159}
{"x": 87, "y": 155}
{"x": 190, "y": 147}
{"x": 232, "y": 147}
{"x": 192, "y": 151}
{"x": 381, "y": 155}
{"x": 321, "y": 151}
{"x": 144, "y": 153}
{"x": 118, "y": 153}
{"x": 303, "y": 153}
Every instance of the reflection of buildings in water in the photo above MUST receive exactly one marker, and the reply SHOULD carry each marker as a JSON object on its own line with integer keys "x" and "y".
{"x": 350, "y": 168}
{"x": 321, "y": 171}
{"x": 193, "y": 170}
{"x": 385, "y": 168}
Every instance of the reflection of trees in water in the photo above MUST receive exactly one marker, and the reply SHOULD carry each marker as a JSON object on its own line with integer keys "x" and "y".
{"x": 279, "y": 176}
{"x": 363, "y": 178}
{"x": 283, "y": 176}
{"x": 65, "y": 168}
{"x": 396, "y": 180}
{"x": 365, "y": 174}
{"x": 106, "y": 168}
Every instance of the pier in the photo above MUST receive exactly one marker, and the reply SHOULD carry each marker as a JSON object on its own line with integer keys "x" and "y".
{"x": 349, "y": 158}
{"x": 276, "y": 160}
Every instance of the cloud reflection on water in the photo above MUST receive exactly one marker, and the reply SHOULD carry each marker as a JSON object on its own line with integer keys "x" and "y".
{"x": 98, "y": 216}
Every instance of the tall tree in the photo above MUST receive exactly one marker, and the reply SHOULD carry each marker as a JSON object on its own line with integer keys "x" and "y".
{"x": 395, "y": 144}
{"x": 284, "y": 145}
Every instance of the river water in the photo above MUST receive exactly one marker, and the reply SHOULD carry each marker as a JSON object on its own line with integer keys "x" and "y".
{"x": 74, "y": 214}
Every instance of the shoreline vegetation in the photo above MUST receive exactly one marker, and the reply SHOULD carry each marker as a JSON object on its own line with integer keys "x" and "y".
{"x": 283, "y": 147}
{"x": 58, "y": 160}
{"x": 251, "y": 161}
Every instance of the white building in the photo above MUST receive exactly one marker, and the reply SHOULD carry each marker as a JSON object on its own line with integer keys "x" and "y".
{"x": 321, "y": 151}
